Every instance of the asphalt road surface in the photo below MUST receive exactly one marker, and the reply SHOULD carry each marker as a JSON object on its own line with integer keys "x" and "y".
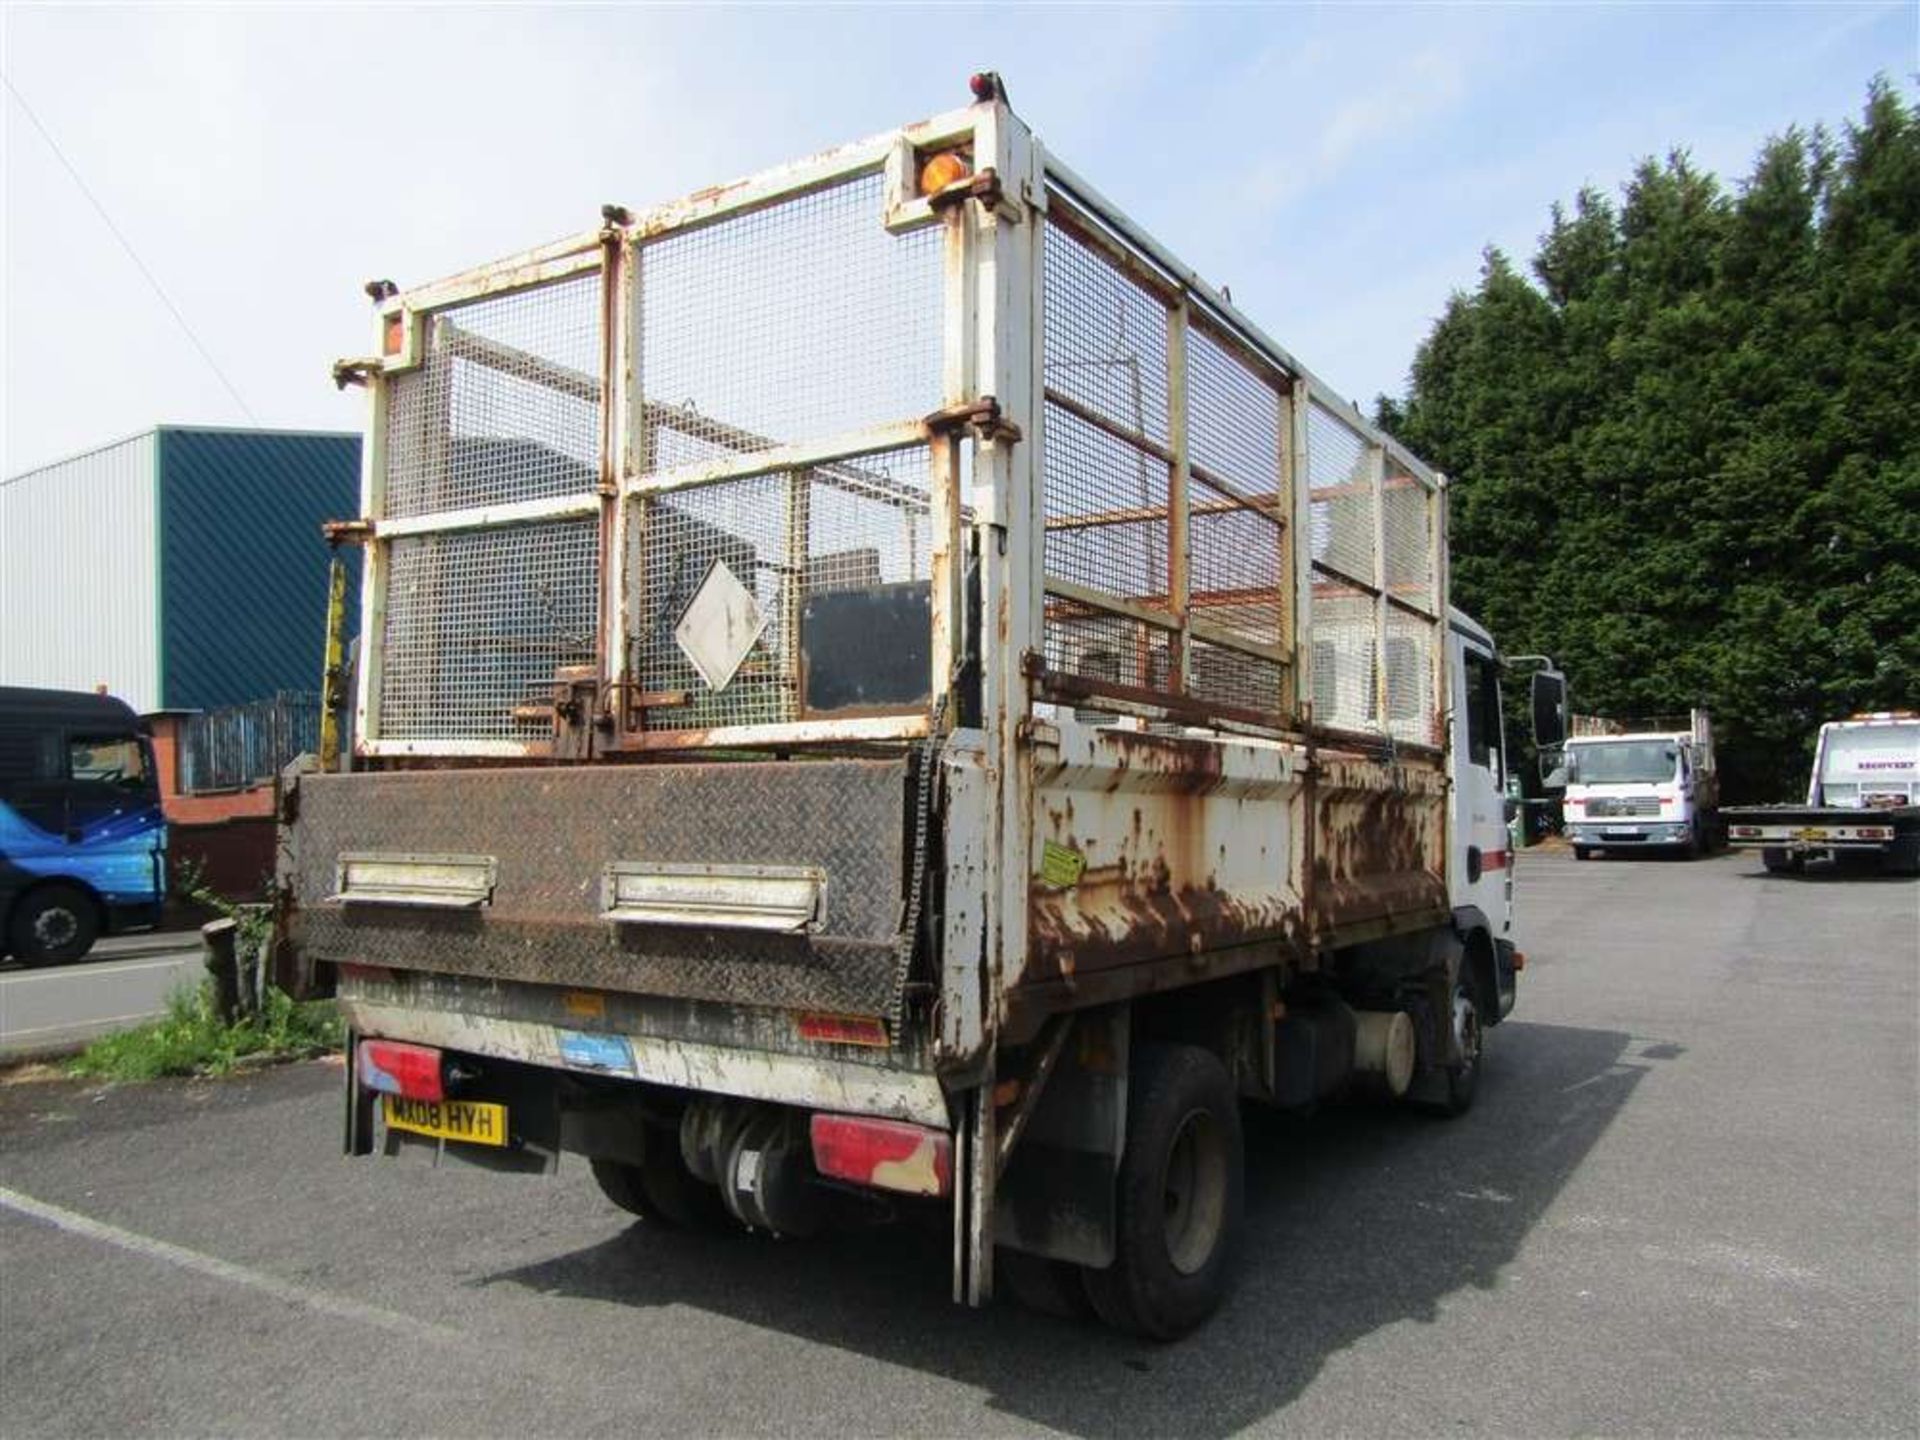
{"x": 120, "y": 982}
{"x": 1686, "y": 1202}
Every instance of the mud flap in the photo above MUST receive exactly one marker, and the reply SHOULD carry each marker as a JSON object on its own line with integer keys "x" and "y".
{"x": 1057, "y": 1196}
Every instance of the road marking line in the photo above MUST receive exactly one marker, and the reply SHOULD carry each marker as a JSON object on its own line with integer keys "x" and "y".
{"x": 7, "y": 1036}
{"x": 339, "y": 1306}
{"x": 101, "y": 970}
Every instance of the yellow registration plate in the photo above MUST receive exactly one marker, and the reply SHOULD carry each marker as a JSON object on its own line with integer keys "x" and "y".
{"x": 1811, "y": 834}
{"x": 477, "y": 1122}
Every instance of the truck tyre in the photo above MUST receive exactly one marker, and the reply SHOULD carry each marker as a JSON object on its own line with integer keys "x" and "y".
{"x": 1781, "y": 861}
{"x": 1179, "y": 1198}
{"x": 53, "y": 925}
{"x": 660, "y": 1188}
{"x": 1581, "y": 852}
{"x": 1051, "y": 1287}
{"x": 1451, "y": 1092}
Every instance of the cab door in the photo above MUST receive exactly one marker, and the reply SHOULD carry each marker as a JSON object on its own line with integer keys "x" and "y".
{"x": 1478, "y": 860}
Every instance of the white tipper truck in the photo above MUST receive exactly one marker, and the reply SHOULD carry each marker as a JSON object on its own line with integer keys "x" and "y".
{"x": 1634, "y": 785}
{"x": 1863, "y": 800}
{"x": 882, "y": 688}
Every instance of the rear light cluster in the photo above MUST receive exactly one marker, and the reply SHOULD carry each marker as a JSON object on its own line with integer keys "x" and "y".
{"x": 886, "y": 1154}
{"x": 1747, "y": 832}
{"x": 393, "y": 1067}
{"x": 842, "y": 1030}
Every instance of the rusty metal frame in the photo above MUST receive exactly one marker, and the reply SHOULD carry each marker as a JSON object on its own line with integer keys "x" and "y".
{"x": 529, "y": 270}
{"x": 1178, "y": 612}
{"x": 617, "y": 249}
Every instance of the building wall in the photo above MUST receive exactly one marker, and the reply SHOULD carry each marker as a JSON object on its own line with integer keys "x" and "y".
{"x": 78, "y": 569}
{"x": 248, "y": 802}
{"x": 243, "y": 567}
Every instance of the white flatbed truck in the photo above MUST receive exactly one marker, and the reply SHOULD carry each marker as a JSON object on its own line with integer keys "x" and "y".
{"x": 1863, "y": 800}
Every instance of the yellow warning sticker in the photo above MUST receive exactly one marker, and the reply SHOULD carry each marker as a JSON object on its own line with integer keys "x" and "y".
{"x": 1061, "y": 867}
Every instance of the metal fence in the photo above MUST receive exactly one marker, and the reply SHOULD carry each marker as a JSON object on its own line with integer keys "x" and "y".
{"x": 241, "y": 745}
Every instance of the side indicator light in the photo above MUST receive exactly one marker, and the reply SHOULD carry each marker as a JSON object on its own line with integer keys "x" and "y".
{"x": 393, "y": 334}
{"x": 394, "y": 1067}
{"x": 885, "y": 1154}
{"x": 1519, "y": 961}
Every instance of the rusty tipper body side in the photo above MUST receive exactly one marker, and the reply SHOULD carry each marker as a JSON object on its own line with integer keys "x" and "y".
{"x": 877, "y": 679}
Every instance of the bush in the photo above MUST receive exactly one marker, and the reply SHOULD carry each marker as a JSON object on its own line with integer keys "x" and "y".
{"x": 191, "y": 1039}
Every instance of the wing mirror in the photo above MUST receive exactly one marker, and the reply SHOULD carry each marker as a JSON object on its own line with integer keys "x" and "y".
{"x": 1549, "y": 709}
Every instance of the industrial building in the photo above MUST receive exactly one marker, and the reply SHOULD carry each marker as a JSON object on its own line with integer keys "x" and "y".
{"x": 181, "y": 569}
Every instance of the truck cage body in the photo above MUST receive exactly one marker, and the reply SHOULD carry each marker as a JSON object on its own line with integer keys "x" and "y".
{"x": 883, "y": 590}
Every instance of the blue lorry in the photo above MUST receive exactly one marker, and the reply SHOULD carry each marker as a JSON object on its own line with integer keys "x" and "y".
{"x": 82, "y": 836}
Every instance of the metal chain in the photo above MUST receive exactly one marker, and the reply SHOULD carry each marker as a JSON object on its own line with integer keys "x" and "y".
{"x": 916, "y": 875}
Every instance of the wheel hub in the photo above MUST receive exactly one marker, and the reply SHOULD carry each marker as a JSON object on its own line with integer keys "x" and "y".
{"x": 1195, "y": 1192}
{"x": 55, "y": 927}
{"x": 1466, "y": 1029}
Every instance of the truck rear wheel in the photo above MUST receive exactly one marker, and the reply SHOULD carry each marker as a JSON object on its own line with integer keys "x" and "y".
{"x": 660, "y": 1188}
{"x": 1179, "y": 1198}
{"x": 1781, "y": 861}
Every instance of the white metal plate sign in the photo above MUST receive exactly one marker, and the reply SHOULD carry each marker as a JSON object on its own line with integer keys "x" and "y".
{"x": 718, "y": 628}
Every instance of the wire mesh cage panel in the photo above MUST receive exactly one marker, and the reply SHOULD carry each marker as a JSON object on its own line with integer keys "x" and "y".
{"x": 1407, "y": 525}
{"x": 843, "y": 544}
{"x": 476, "y": 623}
{"x": 1097, "y": 645}
{"x": 1235, "y": 415}
{"x": 1341, "y": 491}
{"x": 1106, "y": 466}
{"x": 1106, "y": 504}
{"x": 1106, "y": 336}
{"x": 796, "y": 321}
{"x": 1345, "y": 658}
{"x": 1238, "y": 562}
{"x": 1138, "y": 388}
{"x": 1411, "y": 714}
{"x": 1237, "y": 679}
{"x": 505, "y": 405}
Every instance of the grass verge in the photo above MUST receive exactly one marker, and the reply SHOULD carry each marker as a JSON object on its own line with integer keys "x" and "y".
{"x": 190, "y": 1039}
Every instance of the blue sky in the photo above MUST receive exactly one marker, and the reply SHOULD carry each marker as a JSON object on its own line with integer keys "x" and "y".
{"x": 1340, "y": 167}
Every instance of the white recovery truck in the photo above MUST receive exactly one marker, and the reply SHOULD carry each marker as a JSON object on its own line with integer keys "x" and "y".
{"x": 1641, "y": 785}
{"x": 880, "y": 687}
{"x": 1863, "y": 800}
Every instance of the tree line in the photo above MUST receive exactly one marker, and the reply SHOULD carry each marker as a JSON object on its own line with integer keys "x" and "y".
{"x": 1685, "y": 448}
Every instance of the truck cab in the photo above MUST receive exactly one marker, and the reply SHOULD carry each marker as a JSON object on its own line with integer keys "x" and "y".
{"x": 1480, "y": 857}
{"x": 82, "y": 837}
{"x": 1641, "y": 787}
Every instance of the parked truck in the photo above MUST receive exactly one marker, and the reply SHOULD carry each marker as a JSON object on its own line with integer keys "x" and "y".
{"x": 83, "y": 841}
{"x": 1863, "y": 800}
{"x": 1641, "y": 785}
{"x": 880, "y": 687}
